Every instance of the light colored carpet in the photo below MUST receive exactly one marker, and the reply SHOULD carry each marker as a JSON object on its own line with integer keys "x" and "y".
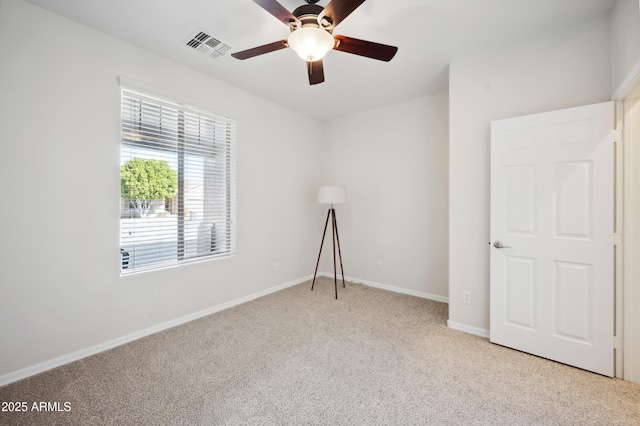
{"x": 302, "y": 357}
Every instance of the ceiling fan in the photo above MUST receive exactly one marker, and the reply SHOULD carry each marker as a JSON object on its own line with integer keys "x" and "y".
{"x": 311, "y": 35}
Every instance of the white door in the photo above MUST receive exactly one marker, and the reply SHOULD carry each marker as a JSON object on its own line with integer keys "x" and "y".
{"x": 552, "y": 213}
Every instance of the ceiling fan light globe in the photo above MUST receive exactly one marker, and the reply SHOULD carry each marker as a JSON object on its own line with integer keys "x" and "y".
{"x": 311, "y": 44}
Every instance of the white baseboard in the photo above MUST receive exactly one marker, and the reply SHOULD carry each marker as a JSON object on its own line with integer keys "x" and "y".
{"x": 93, "y": 350}
{"x": 391, "y": 288}
{"x": 468, "y": 329}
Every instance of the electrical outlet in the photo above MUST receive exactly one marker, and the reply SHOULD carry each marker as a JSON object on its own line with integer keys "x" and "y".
{"x": 379, "y": 264}
{"x": 277, "y": 267}
{"x": 466, "y": 297}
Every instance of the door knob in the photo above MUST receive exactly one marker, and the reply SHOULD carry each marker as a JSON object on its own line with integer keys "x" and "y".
{"x": 499, "y": 245}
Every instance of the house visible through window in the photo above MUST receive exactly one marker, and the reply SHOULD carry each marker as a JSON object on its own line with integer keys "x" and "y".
{"x": 176, "y": 183}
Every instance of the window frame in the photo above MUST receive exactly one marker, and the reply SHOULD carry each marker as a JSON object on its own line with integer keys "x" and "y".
{"x": 226, "y": 148}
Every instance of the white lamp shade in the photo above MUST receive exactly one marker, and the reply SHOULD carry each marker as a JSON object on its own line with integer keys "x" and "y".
{"x": 332, "y": 194}
{"x": 311, "y": 44}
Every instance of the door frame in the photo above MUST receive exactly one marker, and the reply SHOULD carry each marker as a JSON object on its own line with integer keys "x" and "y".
{"x": 627, "y": 356}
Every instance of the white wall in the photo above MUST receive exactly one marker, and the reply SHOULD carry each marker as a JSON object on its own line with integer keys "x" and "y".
{"x": 548, "y": 72}
{"x": 625, "y": 42}
{"x": 59, "y": 160}
{"x": 393, "y": 161}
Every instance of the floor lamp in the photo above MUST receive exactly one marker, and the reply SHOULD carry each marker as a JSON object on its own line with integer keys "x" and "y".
{"x": 331, "y": 195}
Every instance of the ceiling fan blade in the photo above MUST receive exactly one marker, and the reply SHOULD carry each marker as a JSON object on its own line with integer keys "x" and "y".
{"x": 337, "y": 10}
{"x": 277, "y": 10}
{"x": 315, "y": 71}
{"x": 260, "y": 50}
{"x": 369, "y": 49}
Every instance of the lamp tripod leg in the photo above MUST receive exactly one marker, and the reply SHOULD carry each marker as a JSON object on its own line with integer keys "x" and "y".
{"x": 333, "y": 237}
{"x": 320, "y": 252}
{"x": 335, "y": 225}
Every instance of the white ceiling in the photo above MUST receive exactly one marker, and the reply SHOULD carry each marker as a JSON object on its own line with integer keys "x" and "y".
{"x": 428, "y": 33}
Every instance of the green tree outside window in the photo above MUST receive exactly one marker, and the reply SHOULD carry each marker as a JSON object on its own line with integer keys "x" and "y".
{"x": 142, "y": 181}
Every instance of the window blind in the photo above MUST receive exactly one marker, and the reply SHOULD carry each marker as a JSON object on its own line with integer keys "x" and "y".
{"x": 177, "y": 183}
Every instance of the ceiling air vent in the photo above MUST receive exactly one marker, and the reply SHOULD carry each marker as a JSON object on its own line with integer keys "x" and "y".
{"x": 205, "y": 44}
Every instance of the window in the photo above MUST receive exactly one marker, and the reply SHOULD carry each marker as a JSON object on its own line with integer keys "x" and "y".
{"x": 177, "y": 183}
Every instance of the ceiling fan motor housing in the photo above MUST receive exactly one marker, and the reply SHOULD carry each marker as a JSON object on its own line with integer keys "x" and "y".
{"x": 308, "y": 16}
